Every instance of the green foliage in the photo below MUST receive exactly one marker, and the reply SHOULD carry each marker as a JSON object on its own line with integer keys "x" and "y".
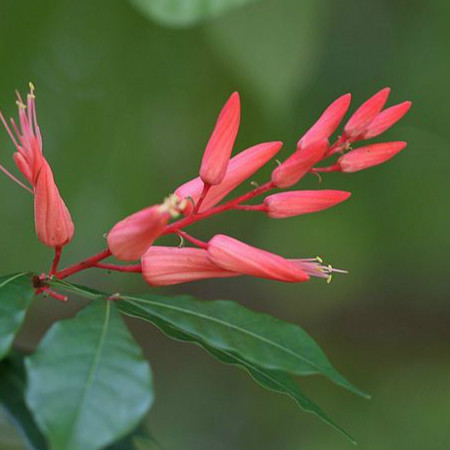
{"x": 12, "y": 391}
{"x": 179, "y": 13}
{"x": 16, "y": 295}
{"x": 267, "y": 348}
{"x": 88, "y": 383}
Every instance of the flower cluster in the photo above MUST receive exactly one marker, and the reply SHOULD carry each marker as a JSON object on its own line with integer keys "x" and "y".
{"x": 133, "y": 238}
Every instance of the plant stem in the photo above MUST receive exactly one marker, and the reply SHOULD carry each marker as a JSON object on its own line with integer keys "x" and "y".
{"x": 85, "y": 264}
{"x": 56, "y": 260}
{"x": 135, "y": 268}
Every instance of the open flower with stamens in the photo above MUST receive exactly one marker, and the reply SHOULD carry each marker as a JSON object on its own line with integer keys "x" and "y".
{"x": 53, "y": 223}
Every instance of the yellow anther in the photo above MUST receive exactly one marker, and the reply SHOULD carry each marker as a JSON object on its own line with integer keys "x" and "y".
{"x": 31, "y": 86}
{"x": 319, "y": 259}
{"x": 171, "y": 205}
{"x": 20, "y": 104}
{"x": 254, "y": 184}
{"x": 329, "y": 278}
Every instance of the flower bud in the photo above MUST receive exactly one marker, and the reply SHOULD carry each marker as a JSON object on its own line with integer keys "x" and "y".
{"x": 241, "y": 167}
{"x": 362, "y": 117}
{"x": 164, "y": 266}
{"x": 298, "y": 164}
{"x": 220, "y": 145}
{"x": 231, "y": 254}
{"x": 385, "y": 119}
{"x": 295, "y": 203}
{"x": 130, "y": 238}
{"x": 369, "y": 156}
{"x": 54, "y": 226}
{"x": 328, "y": 121}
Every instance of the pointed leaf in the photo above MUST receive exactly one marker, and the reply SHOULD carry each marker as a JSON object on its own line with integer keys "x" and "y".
{"x": 88, "y": 382}
{"x": 227, "y": 326}
{"x": 271, "y": 380}
{"x": 16, "y": 295}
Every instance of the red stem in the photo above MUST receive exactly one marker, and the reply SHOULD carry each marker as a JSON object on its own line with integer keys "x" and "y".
{"x": 135, "y": 268}
{"x": 260, "y": 207}
{"x": 85, "y": 264}
{"x": 206, "y": 188}
{"x": 56, "y": 260}
{"x": 189, "y": 220}
{"x": 192, "y": 239}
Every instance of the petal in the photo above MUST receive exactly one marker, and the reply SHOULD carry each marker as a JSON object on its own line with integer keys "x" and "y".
{"x": 328, "y": 121}
{"x": 220, "y": 145}
{"x": 369, "y": 156}
{"x": 130, "y": 238}
{"x": 289, "y": 204}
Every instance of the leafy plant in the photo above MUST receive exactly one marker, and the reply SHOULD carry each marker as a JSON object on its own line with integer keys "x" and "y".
{"x": 87, "y": 385}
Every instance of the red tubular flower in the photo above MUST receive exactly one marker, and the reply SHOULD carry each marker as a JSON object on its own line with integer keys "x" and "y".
{"x": 54, "y": 226}
{"x": 236, "y": 256}
{"x": 295, "y": 203}
{"x": 368, "y": 156}
{"x": 241, "y": 167}
{"x": 220, "y": 145}
{"x": 364, "y": 115}
{"x": 385, "y": 119}
{"x": 130, "y": 238}
{"x": 164, "y": 266}
{"x": 298, "y": 164}
{"x": 328, "y": 121}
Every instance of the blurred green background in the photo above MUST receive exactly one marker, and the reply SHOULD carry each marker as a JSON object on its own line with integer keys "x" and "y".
{"x": 126, "y": 104}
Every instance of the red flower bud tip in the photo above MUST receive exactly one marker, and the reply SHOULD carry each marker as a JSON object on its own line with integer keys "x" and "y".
{"x": 295, "y": 203}
{"x": 369, "y": 156}
{"x": 328, "y": 121}
{"x": 362, "y": 117}
{"x": 54, "y": 226}
{"x": 385, "y": 119}
{"x": 241, "y": 167}
{"x": 220, "y": 145}
{"x": 235, "y": 256}
{"x": 164, "y": 266}
{"x": 130, "y": 238}
{"x": 299, "y": 163}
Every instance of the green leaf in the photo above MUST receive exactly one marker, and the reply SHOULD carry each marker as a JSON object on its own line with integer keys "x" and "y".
{"x": 271, "y": 380}
{"x": 12, "y": 391}
{"x": 88, "y": 383}
{"x": 182, "y": 13}
{"x": 16, "y": 295}
{"x": 227, "y": 326}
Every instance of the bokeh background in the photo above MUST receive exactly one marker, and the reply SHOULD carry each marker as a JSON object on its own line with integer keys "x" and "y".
{"x": 126, "y": 101}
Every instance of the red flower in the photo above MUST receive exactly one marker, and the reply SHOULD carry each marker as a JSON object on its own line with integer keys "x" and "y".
{"x": 54, "y": 226}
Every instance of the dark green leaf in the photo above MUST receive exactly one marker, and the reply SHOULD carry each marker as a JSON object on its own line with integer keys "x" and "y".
{"x": 88, "y": 382}
{"x": 16, "y": 295}
{"x": 12, "y": 391}
{"x": 227, "y": 326}
{"x": 179, "y": 13}
{"x": 272, "y": 380}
